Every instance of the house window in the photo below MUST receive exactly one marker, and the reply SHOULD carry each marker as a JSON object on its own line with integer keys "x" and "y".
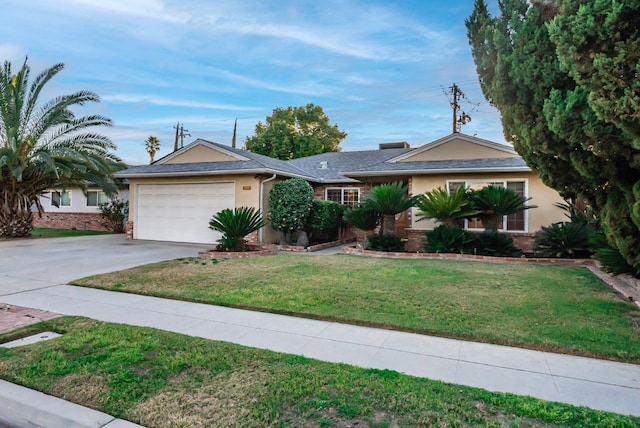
{"x": 95, "y": 198}
{"x": 61, "y": 198}
{"x": 344, "y": 195}
{"x": 513, "y": 223}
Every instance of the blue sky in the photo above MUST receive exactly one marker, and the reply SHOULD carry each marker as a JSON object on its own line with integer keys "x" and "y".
{"x": 378, "y": 68}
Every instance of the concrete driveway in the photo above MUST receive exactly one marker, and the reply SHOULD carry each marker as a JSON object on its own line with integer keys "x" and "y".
{"x": 29, "y": 264}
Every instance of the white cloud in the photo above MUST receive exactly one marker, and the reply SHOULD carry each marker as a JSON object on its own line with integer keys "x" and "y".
{"x": 161, "y": 101}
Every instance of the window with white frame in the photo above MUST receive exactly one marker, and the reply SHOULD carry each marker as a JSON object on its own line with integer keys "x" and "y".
{"x": 343, "y": 195}
{"x": 512, "y": 223}
{"x": 61, "y": 198}
{"x": 95, "y": 198}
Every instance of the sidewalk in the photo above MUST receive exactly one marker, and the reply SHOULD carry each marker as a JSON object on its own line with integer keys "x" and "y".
{"x": 598, "y": 384}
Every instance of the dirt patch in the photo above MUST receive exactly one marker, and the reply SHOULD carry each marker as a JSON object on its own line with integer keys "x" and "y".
{"x": 90, "y": 389}
{"x": 14, "y": 317}
{"x": 227, "y": 399}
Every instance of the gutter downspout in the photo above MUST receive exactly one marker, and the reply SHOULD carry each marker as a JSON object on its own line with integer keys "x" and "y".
{"x": 273, "y": 177}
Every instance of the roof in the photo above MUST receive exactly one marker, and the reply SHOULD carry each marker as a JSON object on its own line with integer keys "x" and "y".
{"x": 247, "y": 163}
{"x": 440, "y": 166}
{"x": 328, "y": 167}
{"x": 333, "y": 167}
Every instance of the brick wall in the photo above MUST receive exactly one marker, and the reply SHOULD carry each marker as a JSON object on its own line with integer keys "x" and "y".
{"x": 80, "y": 221}
{"x": 416, "y": 238}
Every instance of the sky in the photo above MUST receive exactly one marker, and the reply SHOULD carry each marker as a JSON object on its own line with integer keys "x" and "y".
{"x": 378, "y": 68}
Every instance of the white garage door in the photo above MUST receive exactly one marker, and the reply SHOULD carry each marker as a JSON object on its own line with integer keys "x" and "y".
{"x": 180, "y": 212}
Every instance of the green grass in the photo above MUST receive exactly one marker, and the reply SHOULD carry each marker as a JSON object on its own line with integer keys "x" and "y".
{"x": 162, "y": 379}
{"x": 45, "y": 232}
{"x": 553, "y": 308}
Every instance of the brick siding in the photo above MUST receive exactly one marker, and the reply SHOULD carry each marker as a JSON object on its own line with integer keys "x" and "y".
{"x": 80, "y": 221}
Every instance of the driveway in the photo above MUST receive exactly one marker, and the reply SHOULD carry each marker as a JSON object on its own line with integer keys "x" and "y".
{"x": 29, "y": 264}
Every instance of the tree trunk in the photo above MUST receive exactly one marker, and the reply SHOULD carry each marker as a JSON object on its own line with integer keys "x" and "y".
{"x": 491, "y": 222}
{"x": 16, "y": 218}
{"x": 389, "y": 224}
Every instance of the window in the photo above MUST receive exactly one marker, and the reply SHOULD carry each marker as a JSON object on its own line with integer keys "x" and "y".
{"x": 61, "y": 198}
{"x": 95, "y": 198}
{"x": 344, "y": 195}
{"x": 514, "y": 222}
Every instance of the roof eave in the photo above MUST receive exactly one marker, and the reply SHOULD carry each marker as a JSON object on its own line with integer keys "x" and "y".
{"x": 214, "y": 172}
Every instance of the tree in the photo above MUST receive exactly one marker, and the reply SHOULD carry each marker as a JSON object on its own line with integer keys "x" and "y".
{"x": 152, "y": 146}
{"x": 235, "y": 224}
{"x": 46, "y": 146}
{"x": 564, "y": 75}
{"x": 447, "y": 208}
{"x": 492, "y": 203}
{"x": 290, "y": 203}
{"x": 389, "y": 200}
{"x": 295, "y": 132}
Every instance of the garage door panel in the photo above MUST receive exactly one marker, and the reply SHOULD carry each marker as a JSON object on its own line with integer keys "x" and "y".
{"x": 180, "y": 212}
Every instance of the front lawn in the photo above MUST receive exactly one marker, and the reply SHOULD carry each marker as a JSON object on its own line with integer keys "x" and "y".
{"x": 554, "y": 308}
{"x": 162, "y": 379}
{"x": 45, "y": 232}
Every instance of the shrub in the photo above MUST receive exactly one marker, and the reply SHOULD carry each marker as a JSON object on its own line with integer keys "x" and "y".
{"x": 235, "y": 225}
{"x": 610, "y": 258}
{"x": 495, "y": 202}
{"x": 324, "y": 219}
{"x": 361, "y": 217}
{"x": 447, "y": 239}
{"x": 492, "y": 243}
{"x": 564, "y": 240}
{"x": 388, "y": 200}
{"x": 447, "y": 208}
{"x": 289, "y": 205}
{"x": 385, "y": 242}
{"x": 114, "y": 214}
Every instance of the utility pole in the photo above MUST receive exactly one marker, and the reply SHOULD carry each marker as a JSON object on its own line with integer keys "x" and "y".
{"x": 463, "y": 118}
{"x": 180, "y": 133}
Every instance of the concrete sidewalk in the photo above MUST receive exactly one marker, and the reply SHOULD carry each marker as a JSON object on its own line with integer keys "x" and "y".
{"x": 598, "y": 384}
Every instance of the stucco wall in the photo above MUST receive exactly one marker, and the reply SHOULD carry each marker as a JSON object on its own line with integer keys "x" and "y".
{"x": 200, "y": 153}
{"x": 459, "y": 150}
{"x": 78, "y": 202}
{"x": 541, "y": 195}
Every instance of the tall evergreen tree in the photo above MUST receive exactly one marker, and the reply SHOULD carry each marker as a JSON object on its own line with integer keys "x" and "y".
{"x": 564, "y": 76}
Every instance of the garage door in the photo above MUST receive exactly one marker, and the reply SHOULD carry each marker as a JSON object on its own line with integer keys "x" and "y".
{"x": 180, "y": 212}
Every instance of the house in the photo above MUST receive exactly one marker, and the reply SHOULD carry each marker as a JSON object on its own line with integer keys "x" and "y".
{"x": 73, "y": 208}
{"x": 174, "y": 198}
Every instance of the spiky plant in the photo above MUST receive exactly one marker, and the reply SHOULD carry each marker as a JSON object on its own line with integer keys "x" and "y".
{"x": 495, "y": 202}
{"x": 362, "y": 218}
{"x": 447, "y": 208}
{"x": 46, "y": 145}
{"x": 389, "y": 200}
{"x": 235, "y": 225}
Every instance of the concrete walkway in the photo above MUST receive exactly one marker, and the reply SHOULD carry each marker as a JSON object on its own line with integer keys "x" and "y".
{"x": 588, "y": 382}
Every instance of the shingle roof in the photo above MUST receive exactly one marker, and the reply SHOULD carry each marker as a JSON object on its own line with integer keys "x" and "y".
{"x": 426, "y": 167}
{"x": 343, "y": 161}
{"x": 334, "y": 167}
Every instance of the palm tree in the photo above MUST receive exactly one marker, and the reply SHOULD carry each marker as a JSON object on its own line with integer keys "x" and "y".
{"x": 447, "y": 208}
{"x": 362, "y": 218}
{"x": 235, "y": 225}
{"x": 389, "y": 200}
{"x": 495, "y": 202}
{"x": 152, "y": 146}
{"x": 46, "y": 145}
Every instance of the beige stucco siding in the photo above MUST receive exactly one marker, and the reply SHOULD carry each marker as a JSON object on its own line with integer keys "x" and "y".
{"x": 200, "y": 153}
{"x": 542, "y": 196}
{"x": 458, "y": 150}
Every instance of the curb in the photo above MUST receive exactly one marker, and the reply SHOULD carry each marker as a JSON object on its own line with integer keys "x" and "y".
{"x": 24, "y": 407}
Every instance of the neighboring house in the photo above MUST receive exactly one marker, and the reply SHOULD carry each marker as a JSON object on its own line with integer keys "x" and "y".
{"x": 76, "y": 209}
{"x": 174, "y": 198}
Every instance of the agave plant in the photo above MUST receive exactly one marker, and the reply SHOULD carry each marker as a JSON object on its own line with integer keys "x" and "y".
{"x": 495, "y": 202}
{"x": 235, "y": 225}
{"x": 389, "y": 200}
{"x": 445, "y": 207}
